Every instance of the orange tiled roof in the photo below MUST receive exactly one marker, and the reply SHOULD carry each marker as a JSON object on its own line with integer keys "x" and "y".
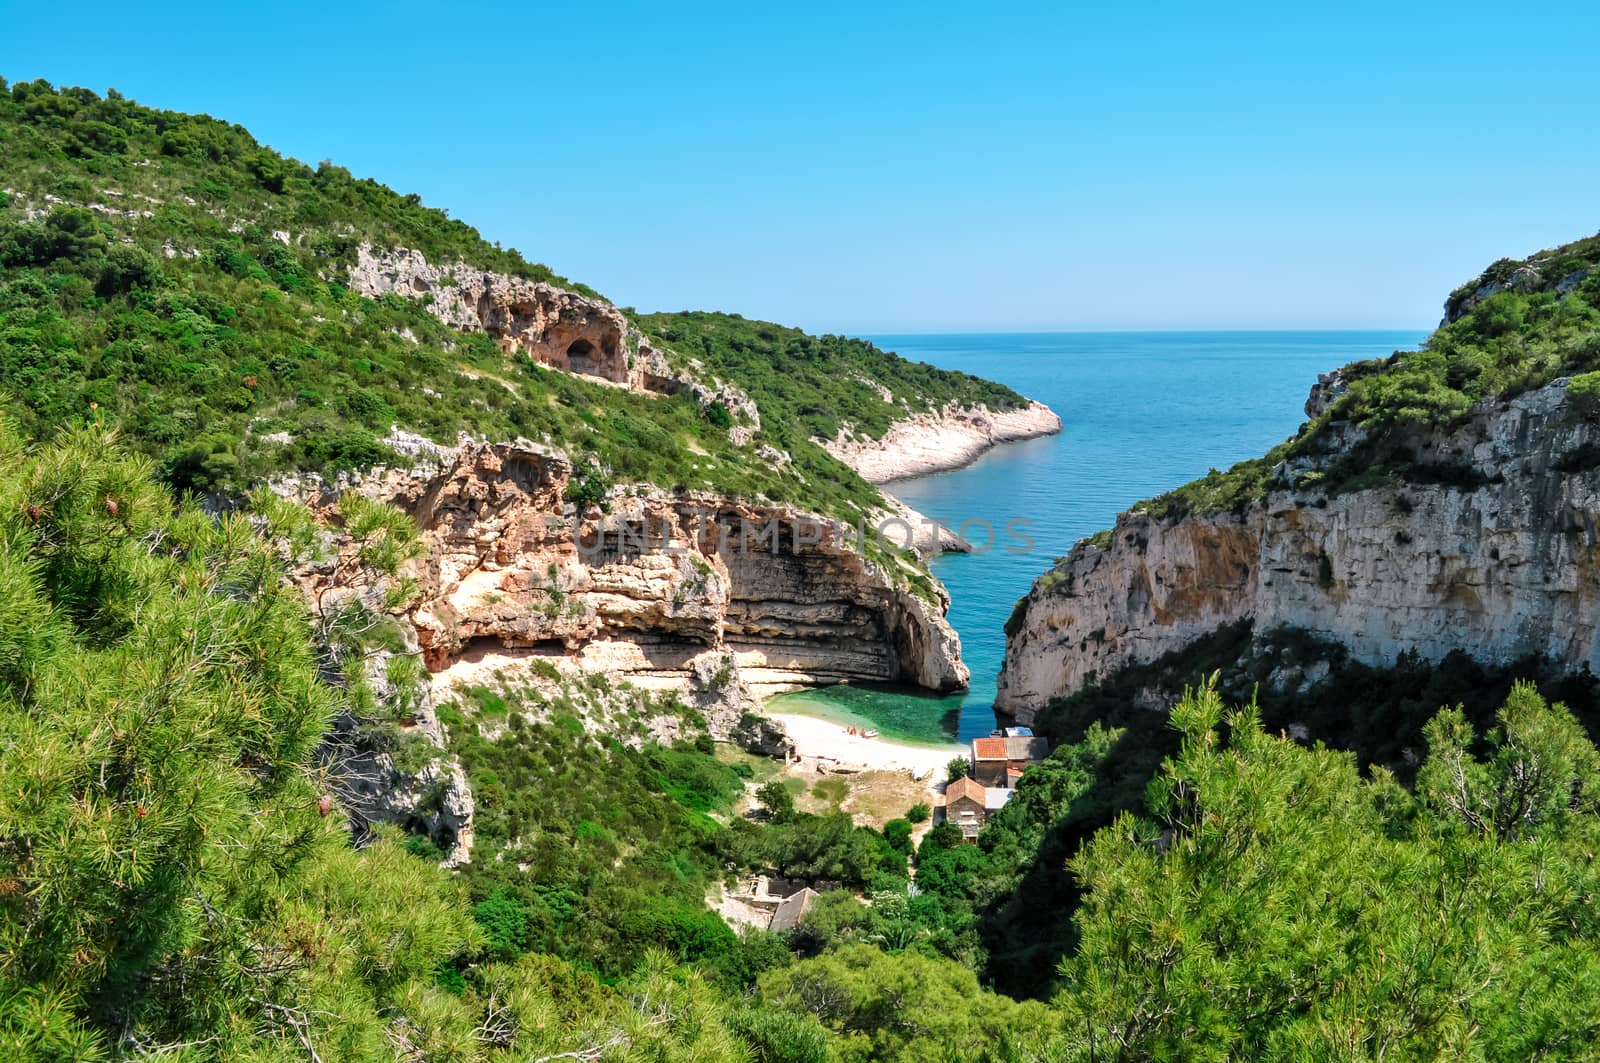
{"x": 989, "y": 748}
{"x": 964, "y": 787}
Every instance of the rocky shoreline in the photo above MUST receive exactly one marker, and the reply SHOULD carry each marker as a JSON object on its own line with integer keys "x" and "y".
{"x": 928, "y": 443}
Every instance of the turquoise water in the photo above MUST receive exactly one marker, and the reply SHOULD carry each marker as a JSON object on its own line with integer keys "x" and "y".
{"x": 1141, "y": 413}
{"x": 918, "y": 718}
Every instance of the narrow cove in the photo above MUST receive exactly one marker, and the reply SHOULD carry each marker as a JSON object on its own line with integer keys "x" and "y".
{"x": 1141, "y": 413}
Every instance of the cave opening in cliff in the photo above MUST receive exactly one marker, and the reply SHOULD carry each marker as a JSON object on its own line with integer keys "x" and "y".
{"x": 663, "y": 385}
{"x": 582, "y": 358}
{"x": 490, "y": 648}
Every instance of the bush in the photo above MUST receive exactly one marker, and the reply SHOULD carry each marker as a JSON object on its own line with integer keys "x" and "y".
{"x": 1583, "y": 392}
{"x": 778, "y": 802}
{"x": 897, "y": 832}
{"x": 717, "y": 415}
{"x": 778, "y": 1036}
{"x": 505, "y": 921}
{"x": 588, "y": 488}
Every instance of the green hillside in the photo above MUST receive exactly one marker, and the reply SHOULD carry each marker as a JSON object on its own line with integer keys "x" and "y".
{"x": 815, "y": 386}
{"x": 168, "y": 273}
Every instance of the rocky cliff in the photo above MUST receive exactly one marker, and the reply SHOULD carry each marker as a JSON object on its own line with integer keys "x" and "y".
{"x": 557, "y": 328}
{"x": 721, "y": 599}
{"x": 1487, "y": 540}
{"x": 717, "y": 601}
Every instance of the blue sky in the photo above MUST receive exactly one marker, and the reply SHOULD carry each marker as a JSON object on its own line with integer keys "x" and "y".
{"x": 922, "y": 167}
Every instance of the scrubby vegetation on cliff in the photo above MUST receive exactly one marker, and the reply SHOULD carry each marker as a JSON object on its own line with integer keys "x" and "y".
{"x": 187, "y": 282}
{"x": 1518, "y": 326}
{"x": 187, "y": 176}
{"x": 813, "y": 387}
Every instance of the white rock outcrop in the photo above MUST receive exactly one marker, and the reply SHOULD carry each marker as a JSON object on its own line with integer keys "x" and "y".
{"x": 926, "y": 443}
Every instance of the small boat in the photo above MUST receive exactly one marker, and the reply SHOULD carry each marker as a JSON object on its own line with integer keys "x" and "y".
{"x": 869, "y": 734}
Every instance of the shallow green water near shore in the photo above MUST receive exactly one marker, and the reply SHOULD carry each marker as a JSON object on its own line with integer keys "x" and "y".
{"x": 922, "y": 719}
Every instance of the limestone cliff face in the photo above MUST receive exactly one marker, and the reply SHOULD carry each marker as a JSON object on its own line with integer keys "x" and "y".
{"x": 702, "y": 594}
{"x": 1491, "y": 545}
{"x": 555, "y": 327}
{"x": 666, "y": 590}
{"x": 939, "y": 441}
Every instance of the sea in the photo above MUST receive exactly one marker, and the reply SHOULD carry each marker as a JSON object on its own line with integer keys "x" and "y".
{"x": 1141, "y": 413}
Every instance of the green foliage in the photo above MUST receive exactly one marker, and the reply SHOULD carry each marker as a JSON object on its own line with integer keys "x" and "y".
{"x": 504, "y": 921}
{"x": 897, "y": 832}
{"x": 1583, "y": 391}
{"x": 919, "y": 812}
{"x": 190, "y": 289}
{"x": 210, "y": 344}
{"x": 58, "y": 139}
{"x": 754, "y": 952}
{"x": 717, "y": 415}
{"x": 588, "y": 488}
{"x": 834, "y": 918}
{"x": 1542, "y": 771}
{"x": 1219, "y": 491}
{"x": 957, "y": 768}
{"x": 813, "y": 386}
{"x": 1002, "y": 898}
{"x": 1275, "y": 904}
{"x": 1107, "y": 747}
{"x": 827, "y": 848}
{"x": 188, "y": 284}
{"x": 778, "y": 1036}
{"x": 148, "y": 717}
{"x": 909, "y": 1008}
{"x": 778, "y": 802}
{"x": 172, "y": 883}
{"x": 1377, "y": 712}
{"x": 601, "y": 851}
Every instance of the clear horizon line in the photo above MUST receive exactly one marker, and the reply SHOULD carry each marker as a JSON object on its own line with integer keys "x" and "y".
{"x": 1132, "y": 331}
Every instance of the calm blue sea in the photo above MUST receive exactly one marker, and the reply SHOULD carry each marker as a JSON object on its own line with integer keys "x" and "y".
{"x": 1141, "y": 413}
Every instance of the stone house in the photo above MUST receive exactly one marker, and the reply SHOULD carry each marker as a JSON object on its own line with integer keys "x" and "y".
{"x": 966, "y": 805}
